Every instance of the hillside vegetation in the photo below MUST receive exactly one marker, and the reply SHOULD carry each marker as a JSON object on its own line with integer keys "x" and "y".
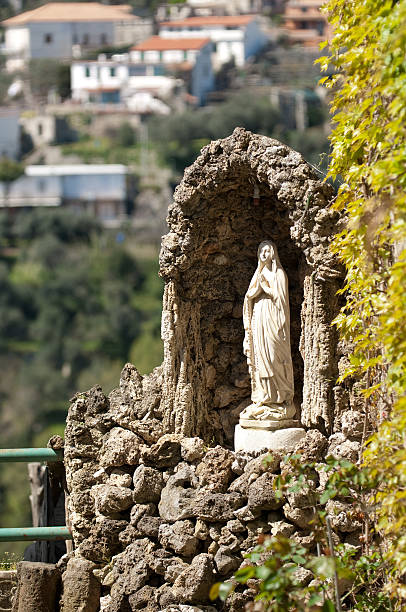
{"x": 75, "y": 305}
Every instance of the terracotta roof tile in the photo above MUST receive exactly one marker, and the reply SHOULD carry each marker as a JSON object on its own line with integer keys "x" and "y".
{"x": 156, "y": 43}
{"x": 73, "y": 11}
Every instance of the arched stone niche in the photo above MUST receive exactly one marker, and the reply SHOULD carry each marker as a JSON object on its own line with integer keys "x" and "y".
{"x": 207, "y": 260}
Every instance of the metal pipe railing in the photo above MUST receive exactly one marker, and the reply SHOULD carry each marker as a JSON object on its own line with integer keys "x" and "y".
{"x": 28, "y": 534}
{"x": 28, "y": 455}
{"x": 34, "y": 534}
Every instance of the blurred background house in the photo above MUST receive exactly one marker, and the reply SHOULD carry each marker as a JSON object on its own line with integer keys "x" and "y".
{"x": 304, "y": 22}
{"x": 189, "y": 58}
{"x": 10, "y": 132}
{"x": 233, "y": 37}
{"x": 101, "y": 190}
{"x": 67, "y": 29}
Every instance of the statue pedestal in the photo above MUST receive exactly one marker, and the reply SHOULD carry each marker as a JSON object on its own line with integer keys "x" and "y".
{"x": 249, "y": 439}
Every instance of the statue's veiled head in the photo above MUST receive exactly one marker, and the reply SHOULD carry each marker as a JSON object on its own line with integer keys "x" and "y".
{"x": 267, "y": 253}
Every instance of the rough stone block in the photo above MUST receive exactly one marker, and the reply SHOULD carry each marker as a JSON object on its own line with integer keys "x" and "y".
{"x": 192, "y": 449}
{"x": 262, "y": 494}
{"x": 8, "y": 582}
{"x": 38, "y": 586}
{"x": 193, "y": 584}
{"x": 148, "y": 484}
{"x": 81, "y": 589}
{"x": 255, "y": 439}
{"x": 214, "y": 471}
{"x": 214, "y": 507}
{"x": 179, "y": 537}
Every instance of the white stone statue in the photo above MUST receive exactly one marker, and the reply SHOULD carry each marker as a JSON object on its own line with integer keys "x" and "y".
{"x": 267, "y": 344}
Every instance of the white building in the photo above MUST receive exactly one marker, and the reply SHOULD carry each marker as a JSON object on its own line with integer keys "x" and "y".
{"x": 100, "y": 190}
{"x": 65, "y": 29}
{"x": 183, "y": 55}
{"x": 9, "y": 133}
{"x": 117, "y": 80}
{"x": 196, "y": 8}
{"x": 236, "y": 37}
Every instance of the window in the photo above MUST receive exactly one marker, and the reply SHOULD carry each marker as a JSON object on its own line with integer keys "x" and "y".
{"x": 87, "y": 72}
{"x": 85, "y": 39}
{"x": 41, "y": 185}
{"x": 137, "y": 71}
{"x": 75, "y": 39}
{"x": 161, "y": 55}
{"x": 47, "y": 39}
{"x": 185, "y": 56}
{"x": 39, "y": 128}
{"x": 103, "y": 39}
{"x": 303, "y": 9}
{"x": 112, "y": 72}
{"x": 142, "y": 56}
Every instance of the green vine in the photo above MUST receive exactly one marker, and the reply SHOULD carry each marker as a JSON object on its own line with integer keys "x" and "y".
{"x": 369, "y": 153}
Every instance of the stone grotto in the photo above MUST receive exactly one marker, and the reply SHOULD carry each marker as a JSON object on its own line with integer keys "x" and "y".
{"x": 160, "y": 504}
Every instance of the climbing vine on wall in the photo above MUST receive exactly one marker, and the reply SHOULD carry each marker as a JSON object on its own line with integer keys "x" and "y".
{"x": 369, "y": 156}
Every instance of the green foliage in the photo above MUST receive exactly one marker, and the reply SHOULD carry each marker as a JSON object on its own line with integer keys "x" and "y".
{"x": 10, "y": 170}
{"x": 369, "y": 153}
{"x": 181, "y": 139}
{"x": 8, "y": 562}
{"x": 126, "y": 135}
{"x": 73, "y": 305}
{"x": 277, "y": 563}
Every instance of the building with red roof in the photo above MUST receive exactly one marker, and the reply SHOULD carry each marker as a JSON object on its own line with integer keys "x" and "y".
{"x": 234, "y": 37}
{"x": 181, "y": 56}
{"x": 65, "y": 29}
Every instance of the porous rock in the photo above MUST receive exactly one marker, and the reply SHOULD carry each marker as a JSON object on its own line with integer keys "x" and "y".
{"x": 226, "y": 562}
{"x": 120, "y": 478}
{"x": 213, "y": 507}
{"x": 111, "y": 498}
{"x": 144, "y": 599}
{"x": 149, "y": 525}
{"x": 312, "y": 447}
{"x": 103, "y": 539}
{"x": 177, "y": 502}
{"x": 120, "y": 447}
{"x": 131, "y": 568}
{"x": 352, "y": 423}
{"x": 262, "y": 494}
{"x": 348, "y": 449}
{"x": 342, "y": 516}
{"x": 178, "y": 536}
{"x": 301, "y": 517}
{"x": 214, "y": 471}
{"x": 139, "y": 510}
{"x": 164, "y": 453}
{"x": 148, "y": 484}
{"x": 37, "y": 589}
{"x": 81, "y": 589}
{"x": 193, "y": 584}
{"x": 192, "y": 449}
{"x": 282, "y": 528}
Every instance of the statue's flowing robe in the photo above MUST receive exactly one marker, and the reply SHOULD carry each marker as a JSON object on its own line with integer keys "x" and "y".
{"x": 267, "y": 337}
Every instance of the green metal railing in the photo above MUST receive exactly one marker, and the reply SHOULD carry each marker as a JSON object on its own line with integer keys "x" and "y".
{"x": 13, "y": 534}
{"x": 34, "y": 534}
{"x": 26, "y": 455}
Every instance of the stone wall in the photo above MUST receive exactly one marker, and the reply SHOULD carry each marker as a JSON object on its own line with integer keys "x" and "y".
{"x": 158, "y": 519}
{"x": 207, "y": 260}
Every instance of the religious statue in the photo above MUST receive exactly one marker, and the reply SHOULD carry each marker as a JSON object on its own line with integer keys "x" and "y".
{"x": 267, "y": 344}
